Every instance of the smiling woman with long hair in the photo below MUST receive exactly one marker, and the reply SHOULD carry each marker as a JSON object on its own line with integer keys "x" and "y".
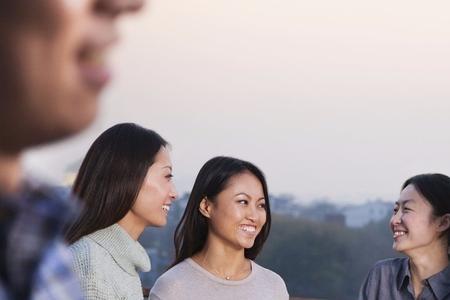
{"x": 124, "y": 185}
{"x": 224, "y": 227}
{"x": 420, "y": 227}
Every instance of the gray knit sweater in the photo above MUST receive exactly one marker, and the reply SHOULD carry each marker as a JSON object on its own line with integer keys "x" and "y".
{"x": 188, "y": 280}
{"x": 107, "y": 263}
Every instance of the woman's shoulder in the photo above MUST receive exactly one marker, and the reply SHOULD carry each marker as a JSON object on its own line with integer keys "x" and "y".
{"x": 389, "y": 265}
{"x": 85, "y": 247}
{"x": 87, "y": 255}
{"x": 179, "y": 271}
{"x": 385, "y": 270}
{"x": 382, "y": 276}
{"x": 175, "y": 280}
{"x": 268, "y": 276}
{"x": 266, "y": 273}
{"x": 91, "y": 263}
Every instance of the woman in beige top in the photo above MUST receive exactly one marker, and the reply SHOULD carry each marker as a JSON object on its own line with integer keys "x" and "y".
{"x": 225, "y": 224}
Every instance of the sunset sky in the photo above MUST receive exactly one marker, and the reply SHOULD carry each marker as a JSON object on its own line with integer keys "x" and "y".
{"x": 339, "y": 99}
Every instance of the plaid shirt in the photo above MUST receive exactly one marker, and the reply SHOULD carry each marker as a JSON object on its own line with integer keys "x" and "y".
{"x": 34, "y": 261}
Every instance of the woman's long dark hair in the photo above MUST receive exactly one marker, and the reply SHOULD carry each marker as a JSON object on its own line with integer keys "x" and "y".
{"x": 435, "y": 188}
{"x": 191, "y": 233}
{"x": 111, "y": 176}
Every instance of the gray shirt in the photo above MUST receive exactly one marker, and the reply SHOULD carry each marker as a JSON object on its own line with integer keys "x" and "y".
{"x": 188, "y": 280}
{"x": 391, "y": 279}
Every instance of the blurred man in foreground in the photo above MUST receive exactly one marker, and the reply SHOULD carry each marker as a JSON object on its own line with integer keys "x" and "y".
{"x": 52, "y": 70}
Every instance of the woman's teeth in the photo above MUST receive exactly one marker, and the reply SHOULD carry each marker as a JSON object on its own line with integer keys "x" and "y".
{"x": 247, "y": 228}
{"x": 166, "y": 207}
{"x": 399, "y": 233}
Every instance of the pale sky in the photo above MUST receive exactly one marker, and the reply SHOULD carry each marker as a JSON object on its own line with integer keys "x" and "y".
{"x": 339, "y": 99}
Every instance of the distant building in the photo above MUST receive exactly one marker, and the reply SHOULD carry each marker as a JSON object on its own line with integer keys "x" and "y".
{"x": 363, "y": 214}
{"x": 285, "y": 205}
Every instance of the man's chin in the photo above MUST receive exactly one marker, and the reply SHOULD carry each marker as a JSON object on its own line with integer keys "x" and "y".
{"x": 60, "y": 129}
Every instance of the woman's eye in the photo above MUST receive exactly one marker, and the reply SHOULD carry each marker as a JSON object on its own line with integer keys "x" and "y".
{"x": 395, "y": 210}
{"x": 169, "y": 177}
{"x": 242, "y": 201}
{"x": 262, "y": 205}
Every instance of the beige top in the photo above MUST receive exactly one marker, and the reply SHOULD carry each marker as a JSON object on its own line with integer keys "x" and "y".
{"x": 189, "y": 281}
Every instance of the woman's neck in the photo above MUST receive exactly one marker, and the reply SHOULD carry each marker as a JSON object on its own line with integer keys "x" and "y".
{"x": 132, "y": 225}
{"x": 426, "y": 262}
{"x": 10, "y": 173}
{"x": 223, "y": 261}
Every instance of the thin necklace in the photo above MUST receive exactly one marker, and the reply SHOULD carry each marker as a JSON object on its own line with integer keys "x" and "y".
{"x": 222, "y": 275}
{"x": 229, "y": 276}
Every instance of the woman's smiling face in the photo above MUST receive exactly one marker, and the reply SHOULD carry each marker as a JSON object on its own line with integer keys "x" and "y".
{"x": 238, "y": 213}
{"x": 413, "y": 224}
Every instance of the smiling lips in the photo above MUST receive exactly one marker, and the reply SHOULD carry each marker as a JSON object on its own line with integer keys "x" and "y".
{"x": 166, "y": 208}
{"x": 249, "y": 229}
{"x": 399, "y": 233}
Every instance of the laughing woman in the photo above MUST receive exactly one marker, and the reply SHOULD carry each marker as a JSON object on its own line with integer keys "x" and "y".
{"x": 124, "y": 184}
{"x": 420, "y": 226}
{"x": 224, "y": 227}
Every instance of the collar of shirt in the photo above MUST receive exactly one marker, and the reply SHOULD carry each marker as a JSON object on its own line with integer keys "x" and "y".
{"x": 403, "y": 276}
{"x": 439, "y": 283}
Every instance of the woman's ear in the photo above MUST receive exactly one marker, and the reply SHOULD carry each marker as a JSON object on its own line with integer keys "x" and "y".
{"x": 444, "y": 223}
{"x": 205, "y": 207}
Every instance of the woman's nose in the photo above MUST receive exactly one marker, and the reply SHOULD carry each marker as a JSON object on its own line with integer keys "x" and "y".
{"x": 173, "y": 192}
{"x": 252, "y": 214}
{"x": 396, "y": 218}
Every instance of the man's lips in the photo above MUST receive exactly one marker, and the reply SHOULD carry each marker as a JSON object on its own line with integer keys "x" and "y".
{"x": 93, "y": 67}
{"x": 91, "y": 59}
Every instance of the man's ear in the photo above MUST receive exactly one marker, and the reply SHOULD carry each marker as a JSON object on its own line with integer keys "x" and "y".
{"x": 205, "y": 207}
{"x": 444, "y": 223}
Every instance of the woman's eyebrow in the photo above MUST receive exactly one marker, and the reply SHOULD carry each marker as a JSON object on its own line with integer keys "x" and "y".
{"x": 248, "y": 196}
{"x": 403, "y": 201}
{"x": 242, "y": 193}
